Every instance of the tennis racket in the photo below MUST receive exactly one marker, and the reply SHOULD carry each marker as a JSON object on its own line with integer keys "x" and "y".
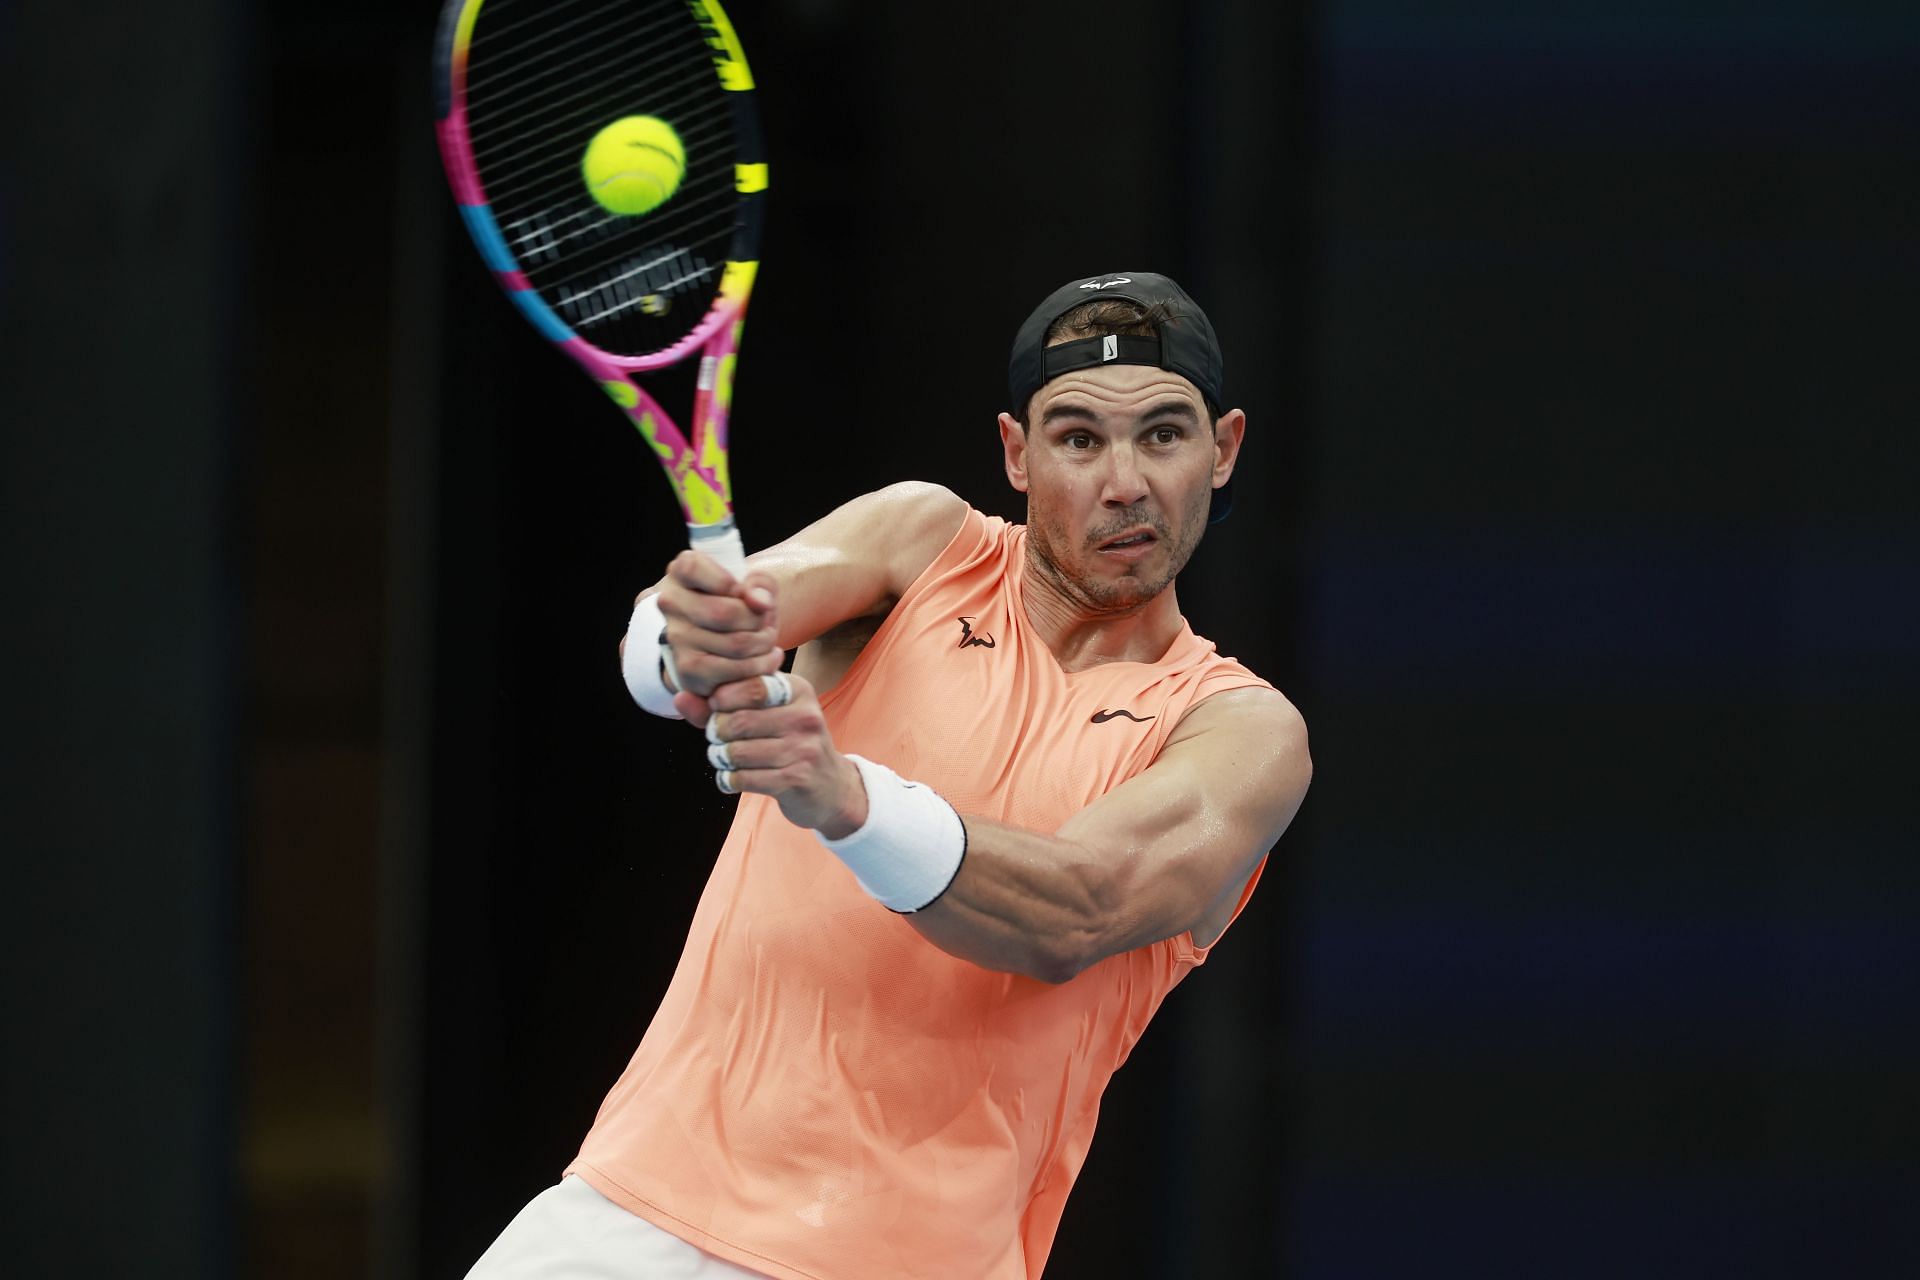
{"x": 524, "y": 89}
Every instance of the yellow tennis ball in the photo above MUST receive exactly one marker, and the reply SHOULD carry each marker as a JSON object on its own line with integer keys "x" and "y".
{"x": 634, "y": 164}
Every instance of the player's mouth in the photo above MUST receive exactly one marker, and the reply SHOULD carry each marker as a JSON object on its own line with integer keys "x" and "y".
{"x": 1130, "y": 545}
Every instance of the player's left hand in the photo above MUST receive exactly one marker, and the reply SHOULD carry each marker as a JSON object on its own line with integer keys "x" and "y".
{"x": 784, "y": 751}
{"x": 717, "y": 628}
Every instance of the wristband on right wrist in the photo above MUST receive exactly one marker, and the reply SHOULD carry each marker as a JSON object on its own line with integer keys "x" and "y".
{"x": 909, "y": 850}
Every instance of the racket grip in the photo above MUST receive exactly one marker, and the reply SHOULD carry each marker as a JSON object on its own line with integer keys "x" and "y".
{"x": 721, "y": 540}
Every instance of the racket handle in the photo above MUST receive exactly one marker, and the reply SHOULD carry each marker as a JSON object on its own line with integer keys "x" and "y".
{"x": 721, "y": 540}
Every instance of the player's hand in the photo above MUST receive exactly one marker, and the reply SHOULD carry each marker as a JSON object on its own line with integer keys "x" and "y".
{"x": 719, "y": 630}
{"x": 785, "y": 752}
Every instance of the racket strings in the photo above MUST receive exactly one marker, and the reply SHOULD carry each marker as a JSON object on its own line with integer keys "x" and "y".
{"x": 629, "y": 269}
{"x": 636, "y": 288}
{"x": 585, "y": 242}
{"x": 551, "y": 179}
{"x": 599, "y": 50}
{"x": 541, "y": 24}
{"x": 543, "y": 79}
{"x": 540, "y": 158}
{"x": 543, "y": 237}
{"x": 525, "y": 106}
{"x": 535, "y": 13}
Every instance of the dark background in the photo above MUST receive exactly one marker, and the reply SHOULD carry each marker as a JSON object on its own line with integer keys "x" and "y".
{"x": 1578, "y": 344}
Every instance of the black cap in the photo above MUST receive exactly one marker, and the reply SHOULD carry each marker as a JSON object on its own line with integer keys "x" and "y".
{"x": 1186, "y": 345}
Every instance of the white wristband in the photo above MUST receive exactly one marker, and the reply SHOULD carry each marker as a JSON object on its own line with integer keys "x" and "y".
{"x": 910, "y": 847}
{"x": 640, "y": 660}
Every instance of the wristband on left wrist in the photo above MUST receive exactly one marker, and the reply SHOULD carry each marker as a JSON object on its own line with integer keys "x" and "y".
{"x": 646, "y": 657}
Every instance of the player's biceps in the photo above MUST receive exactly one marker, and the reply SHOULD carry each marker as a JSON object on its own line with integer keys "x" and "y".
{"x": 1136, "y": 815}
{"x": 823, "y": 592}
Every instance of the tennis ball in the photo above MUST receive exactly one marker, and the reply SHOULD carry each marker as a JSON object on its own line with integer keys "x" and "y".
{"x": 634, "y": 164}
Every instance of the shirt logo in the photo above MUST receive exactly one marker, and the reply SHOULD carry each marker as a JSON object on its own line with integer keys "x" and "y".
{"x": 1101, "y": 717}
{"x": 968, "y": 639}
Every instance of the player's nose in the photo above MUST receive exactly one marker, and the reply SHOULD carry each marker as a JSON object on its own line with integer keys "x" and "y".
{"x": 1125, "y": 483}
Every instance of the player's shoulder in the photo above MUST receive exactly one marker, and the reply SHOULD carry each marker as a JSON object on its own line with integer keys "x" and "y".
{"x": 920, "y": 501}
{"x": 909, "y": 523}
{"x": 1250, "y": 713}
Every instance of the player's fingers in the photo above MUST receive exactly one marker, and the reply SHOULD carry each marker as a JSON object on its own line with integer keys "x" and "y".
{"x": 701, "y": 575}
{"x": 763, "y": 722}
{"x": 762, "y": 766}
{"x": 760, "y": 591}
{"x": 709, "y": 612}
{"x": 761, "y": 782}
{"x": 744, "y": 756}
{"x": 776, "y": 689}
{"x": 771, "y": 689}
{"x": 697, "y": 571}
{"x": 700, "y": 672}
{"x": 694, "y": 708}
{"x": 687, "y": 638}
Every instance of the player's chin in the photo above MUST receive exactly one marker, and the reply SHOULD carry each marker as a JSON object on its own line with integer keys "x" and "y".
{"x": 1140, "y": 580}
{"x": 1132, "y": 587}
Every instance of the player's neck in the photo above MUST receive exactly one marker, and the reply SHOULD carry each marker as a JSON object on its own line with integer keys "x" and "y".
{"x": 1081, "y": 634}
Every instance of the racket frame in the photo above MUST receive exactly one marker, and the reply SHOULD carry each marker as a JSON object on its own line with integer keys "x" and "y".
{"x": 697, "y": 466}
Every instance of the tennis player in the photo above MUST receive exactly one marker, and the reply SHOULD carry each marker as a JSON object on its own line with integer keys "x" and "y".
{"x": 1005, "y": 801}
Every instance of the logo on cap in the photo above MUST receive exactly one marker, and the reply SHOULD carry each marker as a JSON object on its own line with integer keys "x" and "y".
{"x": 1107, "y": 284}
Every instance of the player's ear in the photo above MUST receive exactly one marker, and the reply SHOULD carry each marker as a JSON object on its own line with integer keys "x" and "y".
{"x": 1013, "y": 442}
{"x": 1227, "y": 435}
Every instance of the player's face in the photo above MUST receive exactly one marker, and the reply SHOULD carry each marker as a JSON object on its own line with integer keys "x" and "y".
{"x": 1118, "y": 463}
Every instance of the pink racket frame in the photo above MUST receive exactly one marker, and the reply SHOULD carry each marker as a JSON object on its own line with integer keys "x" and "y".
{"x": 697, "y": 467}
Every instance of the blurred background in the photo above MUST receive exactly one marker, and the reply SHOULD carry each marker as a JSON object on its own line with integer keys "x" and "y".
{"x": 1577, "y": 513}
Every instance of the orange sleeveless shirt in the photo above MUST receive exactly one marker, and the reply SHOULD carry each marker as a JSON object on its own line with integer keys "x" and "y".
{"x": 823, "y": 1093}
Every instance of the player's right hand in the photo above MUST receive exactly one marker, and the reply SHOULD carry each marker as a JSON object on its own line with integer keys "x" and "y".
{"x": 719, "y": 630}
{"x": 784, "y": 749}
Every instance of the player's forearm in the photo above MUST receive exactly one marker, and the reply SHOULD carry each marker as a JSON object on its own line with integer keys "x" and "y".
{"x": 1023, "y": 902}
{"x": 1009, "y": 898}
{"x": 1004, "y": 897}
{"x": 1140, "y": 864}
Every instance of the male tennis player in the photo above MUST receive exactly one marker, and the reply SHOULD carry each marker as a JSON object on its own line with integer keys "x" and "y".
{"x": 1005, "y": 801}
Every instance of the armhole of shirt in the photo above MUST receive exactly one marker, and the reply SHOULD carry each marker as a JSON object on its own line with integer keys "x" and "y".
{"x": 1189, "y": 954}
{"x": 969, "y": 542}
{"x": 1226, "y": 675}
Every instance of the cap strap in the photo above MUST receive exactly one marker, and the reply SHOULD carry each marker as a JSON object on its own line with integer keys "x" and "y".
{"x": 1085, "y": 353}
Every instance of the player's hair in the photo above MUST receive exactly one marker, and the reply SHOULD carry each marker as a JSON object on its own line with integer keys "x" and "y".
{"x": 1120, "y": 317}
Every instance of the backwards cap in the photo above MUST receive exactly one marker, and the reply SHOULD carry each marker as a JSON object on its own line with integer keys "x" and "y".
{"x": 1186, "y": 344}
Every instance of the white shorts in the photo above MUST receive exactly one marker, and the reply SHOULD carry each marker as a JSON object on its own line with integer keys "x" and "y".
{"x": 572, "y": 1232}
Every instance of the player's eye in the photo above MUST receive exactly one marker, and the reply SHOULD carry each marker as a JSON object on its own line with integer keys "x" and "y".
{"x": 1166, "y": 435}
{"x": 1078, "y": 440}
